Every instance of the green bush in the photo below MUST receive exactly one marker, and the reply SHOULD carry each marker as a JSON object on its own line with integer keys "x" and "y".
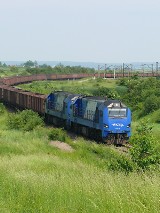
{"x": 143, "y": 151}
{"x": 122, "y": 82}
{"x": 151, "y": 104}
{"x": 121, "y": 90}
{"x": 58, "y": 134}
{"x": 105, "y": 92}
{"x": 121, "y": 163}
{"x": 142, "y": 94}
{"x": 26, "y": 120}
{"x": 2, "y": 108}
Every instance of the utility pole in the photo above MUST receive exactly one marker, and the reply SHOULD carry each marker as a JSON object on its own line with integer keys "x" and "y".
{"x": 131, "y": 70}
{"x": 152, "y": 69}
{"x": 98, "y": 70}
{"x": 123, "y": 69}
{"x": 143, "y": 69}
{"x": 105, "y": 68}
{"x": 157, "y": 68}
{"x": 128, "y": 68}
{"x": 114, "y": 73}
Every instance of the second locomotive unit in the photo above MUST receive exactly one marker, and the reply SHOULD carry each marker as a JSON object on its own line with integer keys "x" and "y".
{"x": 96, "y": 117}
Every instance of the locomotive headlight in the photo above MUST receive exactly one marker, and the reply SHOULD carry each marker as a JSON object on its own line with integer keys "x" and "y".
{"x": 106, "y": 126}
{"x": 129, "y": 125}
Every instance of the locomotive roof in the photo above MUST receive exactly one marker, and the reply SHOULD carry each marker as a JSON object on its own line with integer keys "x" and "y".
{"x": 96, "y": 98}
{"x": 68, "y": 95}
{"x": 114, "y": 103}
{"x": 107, "y": 102}
{"x": 104, "y": 100}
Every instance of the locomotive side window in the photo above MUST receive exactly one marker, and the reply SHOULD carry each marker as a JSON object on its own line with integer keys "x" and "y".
{"x": 117, "y": 112}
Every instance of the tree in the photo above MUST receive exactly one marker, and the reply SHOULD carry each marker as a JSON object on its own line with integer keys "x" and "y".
{"x": 43, "y": 66}
{"x": 35, "y": 63}
{"x": 29, "y": 64}
{"x": 4, "y": 65}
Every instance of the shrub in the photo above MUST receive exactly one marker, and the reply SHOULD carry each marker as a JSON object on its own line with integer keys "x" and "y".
{"x": 26, "y": 120}
{"x": 2, "y": 108}
{"x": 121, "y": 163}
{"x": 143, "y": 151}
{"x": 151, "y": 104}
{"x": 99, "y": 80}
{"x": 58, "y": 134}
{"x": 144, "y": 92}
{"x": 122, "y": 82}
{"x": 121, "y": 90}
{"x": 103, "y": 91}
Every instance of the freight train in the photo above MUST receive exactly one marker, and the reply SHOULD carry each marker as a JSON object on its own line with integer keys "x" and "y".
{"x": 95, "y": 117}
{"x": 14, "y": 80}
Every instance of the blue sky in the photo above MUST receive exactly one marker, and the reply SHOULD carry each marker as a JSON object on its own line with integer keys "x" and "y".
{"x": 84, "y": 30}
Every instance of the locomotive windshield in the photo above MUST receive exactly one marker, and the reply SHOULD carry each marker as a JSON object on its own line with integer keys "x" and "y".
{"x": 117, "y": 112}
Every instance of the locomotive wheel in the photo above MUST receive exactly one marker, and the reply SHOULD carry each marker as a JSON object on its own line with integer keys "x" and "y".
{"x": 110, "y": 140}
{"x": 119, "y": 140}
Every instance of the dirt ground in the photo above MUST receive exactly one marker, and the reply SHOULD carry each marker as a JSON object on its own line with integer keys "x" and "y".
{"x": 61, "y": 145}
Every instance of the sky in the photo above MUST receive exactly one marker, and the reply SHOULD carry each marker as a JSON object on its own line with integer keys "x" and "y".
{"x": 109, "y": 31}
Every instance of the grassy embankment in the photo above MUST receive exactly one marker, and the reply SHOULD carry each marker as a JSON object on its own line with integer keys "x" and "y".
{"x": 83, "y": 86}
{"x": 36, "y": 177}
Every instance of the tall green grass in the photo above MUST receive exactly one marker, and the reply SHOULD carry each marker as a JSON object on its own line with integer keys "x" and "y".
{"x": 37, "y": 177}
{"x": 48, "y": 183}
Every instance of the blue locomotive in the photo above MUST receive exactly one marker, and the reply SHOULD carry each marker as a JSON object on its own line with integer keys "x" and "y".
{"x": 95, "y": 117}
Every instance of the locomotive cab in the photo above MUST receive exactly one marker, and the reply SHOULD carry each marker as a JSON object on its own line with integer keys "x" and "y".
{"x": 117, "y": 122}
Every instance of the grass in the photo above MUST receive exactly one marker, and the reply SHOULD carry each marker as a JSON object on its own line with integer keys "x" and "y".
{"x": 12, "y": 71}
{"x": 38, "y": 181}
{"x": 156, "y": 131}
{"x": 36, "y": 177}
{"x": 46, "y": 183}
{"x": 84, "y": 86}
